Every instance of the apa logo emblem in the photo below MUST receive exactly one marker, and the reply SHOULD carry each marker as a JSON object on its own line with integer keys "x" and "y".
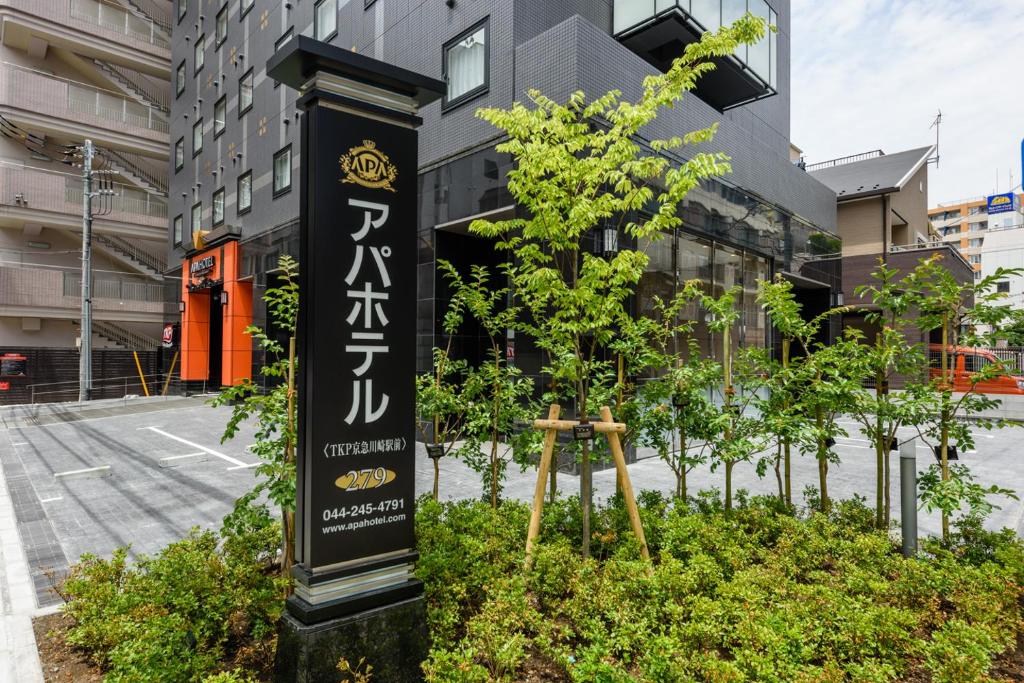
{"x": 368, "y": 166}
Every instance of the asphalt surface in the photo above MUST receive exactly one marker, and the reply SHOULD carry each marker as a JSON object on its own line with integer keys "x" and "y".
{"x": 166, "y": 471}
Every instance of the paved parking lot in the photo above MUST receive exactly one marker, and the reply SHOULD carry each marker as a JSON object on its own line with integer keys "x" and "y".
{"x": 167, "y": 472}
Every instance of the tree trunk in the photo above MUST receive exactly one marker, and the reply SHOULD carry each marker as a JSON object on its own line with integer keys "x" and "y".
{"x": 822, "y": 460}
{"x": 727, "y": 400}
{"x": 681, "y": 476}
{"x": 888, "y": 505}
{"x": 585, "y": 495}
{"x": 778, "y": 473}
{"x": 437, "y": 474}
{"x": 787, "y": 464}
{"x": 495, "y": 416}
{"x": 880, "y": 450}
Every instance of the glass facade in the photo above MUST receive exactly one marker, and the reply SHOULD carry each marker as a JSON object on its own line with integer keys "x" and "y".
{"x": 728, "y": 238}
{"x": 709, "y": 15}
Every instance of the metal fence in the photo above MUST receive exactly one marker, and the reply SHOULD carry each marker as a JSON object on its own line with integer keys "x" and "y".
{"x": 124, "y": 388}
{"x": 1011, "y": 356}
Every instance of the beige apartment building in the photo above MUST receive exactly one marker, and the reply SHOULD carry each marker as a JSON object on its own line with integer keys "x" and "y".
{"x": 72, "y": 70}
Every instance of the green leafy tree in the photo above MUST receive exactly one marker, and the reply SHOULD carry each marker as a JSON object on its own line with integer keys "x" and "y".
{"x": 675, "y": 401}
{"x": 888, "y": 358}
{"x": 496, "y": 395}
{"x": 740, "y": 434}
{"x": 963, "y": 314}
{"x": 580, "y": 168}
{"x": 273, "y": 409}
{"x": 818, "y": 385}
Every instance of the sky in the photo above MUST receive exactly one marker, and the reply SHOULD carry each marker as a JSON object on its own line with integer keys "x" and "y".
{"x": 872, "y": 74}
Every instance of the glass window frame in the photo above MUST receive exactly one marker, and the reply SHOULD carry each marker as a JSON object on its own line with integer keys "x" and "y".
{"x": 239, "y": 209}
{"x": 244, "y": 9}
{"x": 178, "y": 229}
{"x": 182, "y": 9}
{"x": 221, "y": 20}
{"x": 222, "y": 101}
{"x": 193, "y": 228}
{"x": 218, "y": 193}
{"x": 252, "y": 92}
{"x": 483, "y": 88}
{"x": 281, "y": 42}
{"x": 196, "y": 151}
{"x": 279, "y": 191}
{"x": 316, "y": 20}
{"x": 179, "y": 79}
{"x": 179, "y": 145}
{"x": 199, "y": 54}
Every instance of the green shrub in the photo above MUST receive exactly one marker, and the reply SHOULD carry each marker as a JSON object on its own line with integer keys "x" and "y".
{"x": 756, "y": 595}
{"x": 174, "y": 616}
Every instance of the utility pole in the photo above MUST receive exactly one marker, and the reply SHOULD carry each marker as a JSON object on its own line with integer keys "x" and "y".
{"x": 85, "y": 330}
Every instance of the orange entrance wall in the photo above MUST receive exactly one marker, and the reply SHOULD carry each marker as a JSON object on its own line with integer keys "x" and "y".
{"x": 236, "y": 345}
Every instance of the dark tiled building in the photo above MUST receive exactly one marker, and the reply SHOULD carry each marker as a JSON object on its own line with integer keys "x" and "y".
{"x": 237, "y": 171}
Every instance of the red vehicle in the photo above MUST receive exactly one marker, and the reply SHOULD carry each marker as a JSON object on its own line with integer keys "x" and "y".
{"x": 965, "y": 362}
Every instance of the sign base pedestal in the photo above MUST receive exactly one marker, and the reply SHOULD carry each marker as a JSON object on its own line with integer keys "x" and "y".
{"x": 392, "y": 638}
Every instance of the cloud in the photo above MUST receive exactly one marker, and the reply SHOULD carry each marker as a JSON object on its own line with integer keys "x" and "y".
{"x": 872, "y": 74}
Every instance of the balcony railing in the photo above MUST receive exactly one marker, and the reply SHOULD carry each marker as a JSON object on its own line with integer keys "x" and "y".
{"x": 931, "y": 246}
{"x": 659, "y": 29}
{"x": 118, "y": 19}
{"x": 41, "y": 93}
{"x": 41, "y": 287}
{"x": 26, "y": 187}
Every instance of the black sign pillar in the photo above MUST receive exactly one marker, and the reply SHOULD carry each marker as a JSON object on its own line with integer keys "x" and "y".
{"x": 355, "y": 592}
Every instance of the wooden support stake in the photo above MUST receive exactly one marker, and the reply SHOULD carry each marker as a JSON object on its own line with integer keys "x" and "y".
{"x": 546, "y": 456}
{"x": 566, "y": 425}
{"x": 627, "y": 485}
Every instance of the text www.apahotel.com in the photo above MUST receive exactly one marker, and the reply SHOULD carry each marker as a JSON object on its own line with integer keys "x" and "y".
{"x": 363, "y": 523}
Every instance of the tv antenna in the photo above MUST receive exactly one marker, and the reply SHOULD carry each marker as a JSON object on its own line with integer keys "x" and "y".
{"x": 936, "y": 124}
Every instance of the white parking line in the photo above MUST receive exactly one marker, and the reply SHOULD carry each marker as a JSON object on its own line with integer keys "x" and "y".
{"x": 20, "y": 443}
{"x": 51, "y": 500}
{"x": 226, "y": 458}
{"x": 244, "y": 467}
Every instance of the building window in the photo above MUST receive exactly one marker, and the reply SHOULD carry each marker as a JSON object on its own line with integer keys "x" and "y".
{"x": 220, "y": 116}
{"x": 199, "y": 54}
{"x": 176, "y": 231}
{"x": 1003, "y": 287}
{"x": 983, "y": 225}
{"x": 197, "y": 218}
{"x": 197, "y": 137}
{"x": 179, "y": 80}
{"x": 975, "y": 210}
{"x": 977, "y": 242}
{"x": 182, "y": 9}
{"x": 325, "y": 19}
{"x": 218, "y": 207}
{"x": 245, "y": 93}
{"x": 975, "y": 258}
{"x": 222, "y": 26}
{"x": 283, "y": 171}
{"x": 244, "y": 192}
{"x": 179, "y": 154}
{"x": 466, "y": 65}
{"x": 281, "y": 42}
{"x": 244, "y": 7}
{"x": 367, "y": 3}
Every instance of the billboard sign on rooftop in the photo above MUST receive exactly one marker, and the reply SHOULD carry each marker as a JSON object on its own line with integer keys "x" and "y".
{"x": 1002, "y": 203}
